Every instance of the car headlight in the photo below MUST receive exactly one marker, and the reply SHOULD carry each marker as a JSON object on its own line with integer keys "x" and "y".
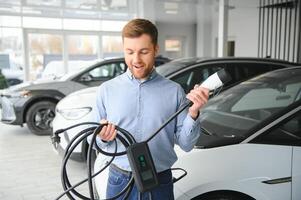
{"x": 16, "y": 94}
{"x": 74, "y": 113}
{"x": 25, "y": 93}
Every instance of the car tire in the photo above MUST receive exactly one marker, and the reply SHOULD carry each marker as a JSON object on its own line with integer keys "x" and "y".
{"x": 39, "y": 117}
{"x": 223, "y": 196}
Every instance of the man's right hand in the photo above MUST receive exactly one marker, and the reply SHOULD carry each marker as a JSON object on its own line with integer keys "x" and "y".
{"x": 108, "y": 132}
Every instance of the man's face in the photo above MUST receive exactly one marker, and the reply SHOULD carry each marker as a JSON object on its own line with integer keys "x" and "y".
{"x": 140, "y": 55}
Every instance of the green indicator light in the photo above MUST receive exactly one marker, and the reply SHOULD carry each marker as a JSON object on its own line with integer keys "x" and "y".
{"x": 141, "y": 158}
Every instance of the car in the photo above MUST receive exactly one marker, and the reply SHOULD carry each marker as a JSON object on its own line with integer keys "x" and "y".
{"x": 55, "y": 69}
{"x": 77, "y": 107}
{"x": 250, "y": 145}
{"x": 33, "y": 103}
{"x": 11, "y": 70}
{"x": 3, "y": 81}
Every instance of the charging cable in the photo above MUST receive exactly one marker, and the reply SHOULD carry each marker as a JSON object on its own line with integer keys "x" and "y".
{"x": 132, "y": 147}
{"x": 123, "y": 136}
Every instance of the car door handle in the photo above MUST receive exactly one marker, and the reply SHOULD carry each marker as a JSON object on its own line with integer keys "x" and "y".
{"x": 278, "y": 180}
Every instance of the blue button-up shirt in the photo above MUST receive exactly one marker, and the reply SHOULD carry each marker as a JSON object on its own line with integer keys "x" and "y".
{"x": 141, "y": 107}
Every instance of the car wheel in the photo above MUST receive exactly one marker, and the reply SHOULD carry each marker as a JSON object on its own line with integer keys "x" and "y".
{"x": 39, "y": 117}
{"x": 221, "y": 196}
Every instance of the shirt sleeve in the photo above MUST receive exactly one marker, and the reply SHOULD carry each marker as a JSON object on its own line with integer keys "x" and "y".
{"x": 187, "y": 129}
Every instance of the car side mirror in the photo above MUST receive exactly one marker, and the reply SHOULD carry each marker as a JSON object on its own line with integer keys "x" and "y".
{"x": 86, "y": 78}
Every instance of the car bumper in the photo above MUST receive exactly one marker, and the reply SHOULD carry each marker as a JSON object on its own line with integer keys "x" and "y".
{"x": 12, "y": 110}
{"x": 76, "y": 156}
{"x": 79, "y": 153}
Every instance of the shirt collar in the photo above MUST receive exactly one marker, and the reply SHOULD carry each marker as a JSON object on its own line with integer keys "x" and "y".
{"x": 150, "y": 77}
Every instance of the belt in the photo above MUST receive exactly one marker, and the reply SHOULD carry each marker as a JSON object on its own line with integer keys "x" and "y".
{"x": 129, "y": 173}
{"x": 122, "y": 171}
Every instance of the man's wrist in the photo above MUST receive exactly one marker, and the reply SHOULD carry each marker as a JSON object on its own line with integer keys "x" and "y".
{"x": 194, "y": 116}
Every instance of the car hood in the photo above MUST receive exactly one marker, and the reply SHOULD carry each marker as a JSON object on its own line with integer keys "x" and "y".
{"x": 63, "y": 87}
{"x": 38, "y": 84}
{"x": 84, "y": 92}
{"x": 79, "y": 99}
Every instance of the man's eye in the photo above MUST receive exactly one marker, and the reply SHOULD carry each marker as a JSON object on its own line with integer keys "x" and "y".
{"x": 130, "y": 52}
{"x": 144, "y": 52}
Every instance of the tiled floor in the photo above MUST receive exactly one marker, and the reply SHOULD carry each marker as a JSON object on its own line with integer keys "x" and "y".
{"x": 30, "y": 168}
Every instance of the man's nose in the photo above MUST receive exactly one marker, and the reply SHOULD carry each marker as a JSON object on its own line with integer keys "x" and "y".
{"x": 136, "y": 58}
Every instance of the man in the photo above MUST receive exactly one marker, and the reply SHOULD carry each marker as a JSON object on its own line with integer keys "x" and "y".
{"x": 139, "y": 101}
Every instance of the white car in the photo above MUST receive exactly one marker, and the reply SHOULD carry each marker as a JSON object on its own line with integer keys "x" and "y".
{"x": 250, "y": 147}
{"x": 55, "y": 69}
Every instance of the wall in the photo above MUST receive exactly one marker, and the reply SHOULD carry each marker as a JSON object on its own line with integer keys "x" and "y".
{"x": 243, "y": 26}
{"x": 186, "y": 31}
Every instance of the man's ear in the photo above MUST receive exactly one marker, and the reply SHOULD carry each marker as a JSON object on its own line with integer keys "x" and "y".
{"x": 156, "y": 50}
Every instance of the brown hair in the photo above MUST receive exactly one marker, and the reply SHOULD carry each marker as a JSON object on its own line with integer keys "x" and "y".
{"x": 137, "y": 27}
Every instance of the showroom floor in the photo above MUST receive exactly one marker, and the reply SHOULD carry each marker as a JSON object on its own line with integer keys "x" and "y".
{"x": 29, "y": 167}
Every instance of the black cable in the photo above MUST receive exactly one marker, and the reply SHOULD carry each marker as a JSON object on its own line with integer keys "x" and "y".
{"x": 65, "y": 180}
{"x": 169, "y": 120}
{"x": 130, "y": 138}
{"x": 124, "y": 136}
{"x": 126, "y": 142}
{"x": 69, "y": 149}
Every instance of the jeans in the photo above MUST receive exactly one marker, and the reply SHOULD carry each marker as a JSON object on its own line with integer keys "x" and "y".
{"x": 118, "y": 180}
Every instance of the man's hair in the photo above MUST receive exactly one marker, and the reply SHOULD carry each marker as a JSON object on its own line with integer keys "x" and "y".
{"x": 137, "y": 27}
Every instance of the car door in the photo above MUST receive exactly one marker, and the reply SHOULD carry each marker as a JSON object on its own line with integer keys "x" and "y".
{"x": 296, "y": 174}
{"x": 291, "y": 131}
{"x": 102, "y": 73}
{"x": 295, "y": 129}
{"x": 286, "y": 135}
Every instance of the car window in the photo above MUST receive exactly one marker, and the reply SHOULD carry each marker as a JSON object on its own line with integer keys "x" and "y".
{"x": 287, "y": 133}
{"x": 241, "y": 71}
{"x": 184, "y": 80}
{"x": 106, "y": 71}
{"x": 188, "y": 79}
{"x": 159, "y": 62}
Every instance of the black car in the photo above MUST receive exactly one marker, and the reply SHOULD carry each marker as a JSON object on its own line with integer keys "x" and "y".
{"x": 190, "y": 71}
{"x": 33, "y": 103}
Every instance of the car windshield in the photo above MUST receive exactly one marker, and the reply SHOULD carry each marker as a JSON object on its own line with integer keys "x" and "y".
{"x": 233, "y": 113}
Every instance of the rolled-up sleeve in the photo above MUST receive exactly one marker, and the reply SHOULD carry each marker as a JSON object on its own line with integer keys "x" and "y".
{"x": 187, "y": 129}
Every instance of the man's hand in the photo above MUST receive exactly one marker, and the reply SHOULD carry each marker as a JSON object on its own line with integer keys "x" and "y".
{"x": 108, "y": 132}
{"x": 199, "y": 96}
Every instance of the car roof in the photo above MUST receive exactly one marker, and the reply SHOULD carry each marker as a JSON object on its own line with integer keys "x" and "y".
{"x": 177, "y": 64}
{"x": 108, "y": 60}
